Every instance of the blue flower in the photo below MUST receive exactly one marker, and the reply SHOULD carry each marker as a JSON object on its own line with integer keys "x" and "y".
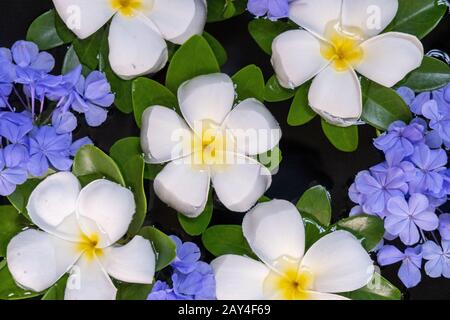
{"x": 49, "y": 148}
{"x": 274, "y": 9}
{"x": 92, "y": 97}
{"x": 439, "y": 116}
{"x": 26, "y": 55}
{"x": 444, "y": 226}
{"x": 162, "y": 291}
{"x": 188, "y": 254}
{"x": 7, "y": 76}
{"x": 405, "y": 218}
{"x": 12, "y": 173}
{"x": 15, "y": 126}
{"x": 438, "y": 257}
{"x": 409, "y": 272}
{"x": 197, "y": 285}
{"x": 63, "y": 121}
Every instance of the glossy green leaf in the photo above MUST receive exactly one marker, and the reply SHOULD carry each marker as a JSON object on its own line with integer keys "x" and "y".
{"x": 196, "y": 226}
{"x": 226, "y": 239}
{"x": 164, "y": 247}
{"x": 344, "y": 139}
{"x": 369, "y": 229}
{"x": 147, "y": 93}
{"x": 91, "y": 160}
{"x": 316, "y": 202}
{"x": 71, "y": 61}
{"x": 42, "y": 31}
{"x": 88, "y": 49}
{"x": 249, "y": 83}
{"x": 57, "y": 291}
{"x": 217, "y": 48}
{"x": 264, "y": 31}
{"x": 274, "y": 92}
{"x": 431, "y": 75}
{"x": 133, "y": 291}
{"x": 382, "y": 106}
{"x": 418, "y": 17}
{"x": 11, "y": 223}
{"x": 194, "y": 58}
{"x": 19, "y": 198}
{"x": 377, "y": 289}
{"x": 313, "y": 230}
{"x": 66, "y": 35}
{"x": 8, "y": 287}
{"x": 300, "y": 112}
{"x": 219, "y": 10}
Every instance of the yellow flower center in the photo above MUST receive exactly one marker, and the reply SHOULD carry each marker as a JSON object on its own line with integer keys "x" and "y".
{"x": 129, "y": 8}
{"x": 210, "y": 148}
{"x": 289, "y": 283}
{"x": 343, "y": 50}
{"x": 89, "y": 246}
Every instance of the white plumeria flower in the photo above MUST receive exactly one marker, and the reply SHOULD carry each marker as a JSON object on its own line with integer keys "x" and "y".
{"x": 214, "y": 142}
{"x": 341, "y": 37}
{"x": 80, "y": 228}
{"x": 138, "y": 28}
{"x": 275, "y": 232}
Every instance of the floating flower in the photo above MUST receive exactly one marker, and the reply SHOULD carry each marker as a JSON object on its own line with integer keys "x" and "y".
{"x": 80, "y": 229}
{"x": 341, "y": 37}
{"x": 138, "y": 28}
{"x": 274, "y": 230}
{"x": 409, "y": 272}
{"x": 214, "y": 142}
{"x": 274, "y": 9}
{"x": 438, "y": 257}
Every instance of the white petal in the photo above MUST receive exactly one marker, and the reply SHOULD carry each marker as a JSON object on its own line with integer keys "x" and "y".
{"x": 389, "y": 57}
{"x": 239, "y": 278}
{"x": 89, "y": 281}
{"x": 370, "y": 16}
{"x": 208, "y": 97}
{"x": 110, "y": 206}
{"x": 325, "y": 296}
{"x": 183, "y": 186}
{"x": 37, "y": 259}
{"x": 84, "y": 17}
{"x": 135, "y": 47}
{"x": 52, "y": 204}
{"x": 240, "y": 183}
{"x": 296, "y": 57}
{"x": 274, "y": 231}
{"x": 338, "y": 263}
{"x": 254, "y": 127}
{"x": 336, "y": 96}
{"x": 178, "y": 20}
{"x": 165, "y": 136}
{"x": 315, "y": 15}
{"x": 133, "y": 262}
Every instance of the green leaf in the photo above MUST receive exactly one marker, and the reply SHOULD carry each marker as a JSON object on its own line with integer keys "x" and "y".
{"x": 316, "y": 202}
{"x": 219, "y": 10}
{"x": 122, "y": 88}
{"x": 313, "y": 230}
{"x": 71, "y": 61}
{"x": 344, "y": 139}
{"x": 66, "y": 35}
{"x": 164, "y": 247}
{"x": 8, "y": 287}
{"x": 300, "y": 112}
{"x": 226, "y": 239}
{"x": 133, "y": 174}
{"x": 194, "y": 58}
{"x": 271, "y": 159}
{"x": 217, "y": 48}
{"x": 11, "y": 223}
{"x": 133, "y": 291}
{"x": 264, "y": 31}
{"x": 88, "y": 49}
{"x": 19, "y": 198}
{"x": 377, "y": 289}
{"x": 274, "y": 92}
{"x": 417, "y": 17}
{"x": 431, "y": 75}
{"x": 249, "y": 83}
{"x": 196, "y": 226}
{"x": 382, "y": 106}
{"x": 42, "y": 31}
{"x": 91, "y": 160}
{"x": 147, "y": 93}
{"x": 57, "y": 291}
{"x": 369, "y": 229}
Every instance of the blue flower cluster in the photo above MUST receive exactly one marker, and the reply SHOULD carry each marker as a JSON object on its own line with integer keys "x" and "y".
{"x": 191, "y": 279}
{"x": 408, "y": 189}
{"x": 273, "y": 9}
{"x": 36, "y": 119}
